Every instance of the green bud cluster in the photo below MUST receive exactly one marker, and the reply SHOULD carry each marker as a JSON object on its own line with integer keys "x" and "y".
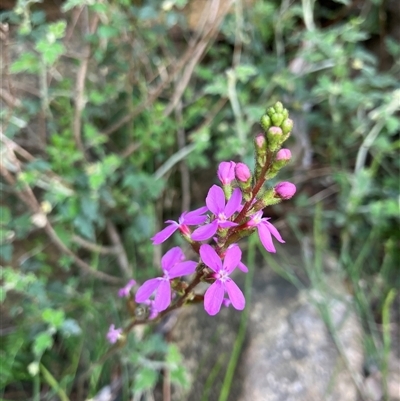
{"x": 277, "y": 126}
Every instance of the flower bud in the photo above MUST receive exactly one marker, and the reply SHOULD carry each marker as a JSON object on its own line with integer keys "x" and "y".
{"x": 282, "y": 158}
{"x": 270, "y": 111}
{"x": 226, "y": 172}
{"x": 284, "y": 154}
{"x": 265, "y": 122}
{"x": 285, "y": 190}
{"x": 277, "y": 119}
{"x": 278, "y": 106}
{"x": 242, "y": 172}
{"x": 275, "y": 131}
{"x": 275, "y": 138}
{"x": 287, "y": 126}
{"x": 260, "y": 142}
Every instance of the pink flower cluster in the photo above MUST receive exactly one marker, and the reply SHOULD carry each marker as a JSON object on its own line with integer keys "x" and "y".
{"x": 233, "y": 211}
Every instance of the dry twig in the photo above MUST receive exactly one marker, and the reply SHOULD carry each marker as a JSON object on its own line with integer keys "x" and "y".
{"x": 80, "y": 87}
{"x": 122, "y": 258}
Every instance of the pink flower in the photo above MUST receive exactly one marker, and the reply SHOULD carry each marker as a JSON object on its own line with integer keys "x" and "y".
{"x": 265, "y": 231}
{"x": 215, "y": 202}
{"x": 241, "y": 266}
{"x": 187, "y": 218}
{"x": 113, "y": 334}
{"x": 284, "y": 154}
{"x": 285, "y": 190}
{"x": 173, "y": 266}
{"x": 242, "y": 172}
{"x": 124, "y": 291}
{"x": 214, "y": 296}
{"x": 226, "y": 172}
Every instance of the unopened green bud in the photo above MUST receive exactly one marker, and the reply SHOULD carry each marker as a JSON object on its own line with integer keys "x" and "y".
{"x": 285, "y": 114}
{"x": 287, "y": 126}
{"x": 270, "y": 111}
{"x": 265, "y": 122}
{"x": 277, "y": 119}
{"x": 278, "y": 107}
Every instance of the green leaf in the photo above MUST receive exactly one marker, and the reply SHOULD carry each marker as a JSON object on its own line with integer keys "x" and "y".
{"x": 52, "y": 52}
{"x": 5, "y": 215}
{"x": 219, "y": 87}
{"x": 22, "y": 225}
{"x": 63, "y": 234}
{"x": 27, "y": 62}
{"x": 145, "y": 379}
{"x": 90, "y": 207}
{"x": 84, "y": 226}
{"x": 57, "y": 29}
{"x": 6, "y": 252}
{"x": 53, "y": 317}
{"x": 173, "y": 357}
{"x": 42, "y": 342}
{"x": 107, "y": 32}
{"x": 179, "y": 376}
{"x": 245, "y": 72}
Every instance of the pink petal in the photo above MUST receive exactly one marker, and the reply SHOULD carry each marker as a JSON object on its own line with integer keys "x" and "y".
{"x": 194, "y": 218}
{"x": 226, "y": 224}
{"x": 171, "y": 258}
{"x": 273, "y": 231}
{"x": 215, "y": 200}
{"x": 183, "y": 269}
{"x": 233, "y": 203}
{"x": 232, "y": 258}
{"x": 213, "y": 298}
{"x": 163, "y": 296}
{"x": 243, "y": 267}
{"x": 205, "y": 232}
{"x": 146, "y": 289}
{"x": 210, "y": 257}
{"x": 164, "y": 234}
{"x": 235, "y": 294}
{"x": 266, "y": 238}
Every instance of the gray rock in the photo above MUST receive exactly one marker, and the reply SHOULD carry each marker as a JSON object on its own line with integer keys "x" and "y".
{"x": 288, "y": 353}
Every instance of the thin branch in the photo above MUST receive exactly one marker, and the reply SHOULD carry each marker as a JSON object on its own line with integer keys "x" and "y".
{"x": 132, "y": 147}
{"x": 80, "y": 89}
{"x": 122, "y": 258}
{"x": 166, "y": 385}
{"x": 11, "y": 101}
{"x": 90, "y": 246}
{"x": 5, "y": 37}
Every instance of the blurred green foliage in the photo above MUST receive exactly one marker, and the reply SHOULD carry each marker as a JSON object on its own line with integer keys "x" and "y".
{"x": 112, "y": 108}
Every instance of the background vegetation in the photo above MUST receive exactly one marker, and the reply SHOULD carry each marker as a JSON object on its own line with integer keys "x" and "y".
{"x": 114, "y": 117}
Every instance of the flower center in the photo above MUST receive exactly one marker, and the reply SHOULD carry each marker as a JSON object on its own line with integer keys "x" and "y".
{"x": 222, "y": 275}
{"x": 221, "y": 217}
